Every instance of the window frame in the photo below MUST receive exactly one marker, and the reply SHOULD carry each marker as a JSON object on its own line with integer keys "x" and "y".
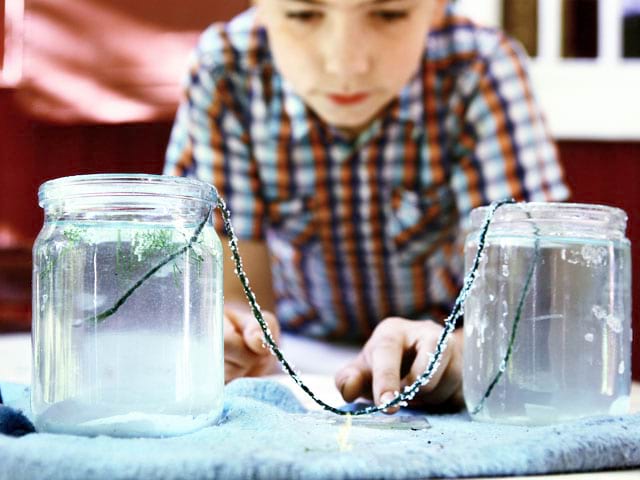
{"x": 582, "y": 98}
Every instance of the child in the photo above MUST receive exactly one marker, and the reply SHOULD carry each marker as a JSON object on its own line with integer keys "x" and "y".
{"x": 350, "y": 139}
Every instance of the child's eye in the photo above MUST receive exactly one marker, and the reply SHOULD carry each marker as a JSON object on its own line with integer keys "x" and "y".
{"x": 304, "y": 16}
{"x": 390, "y": 15}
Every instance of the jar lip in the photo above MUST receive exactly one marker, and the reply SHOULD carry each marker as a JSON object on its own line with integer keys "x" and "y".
{"x": 139, "y": 185}
{"x": 594, "y": 215}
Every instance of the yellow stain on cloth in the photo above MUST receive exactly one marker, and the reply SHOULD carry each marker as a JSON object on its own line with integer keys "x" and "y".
{"x": 343, "y": 435}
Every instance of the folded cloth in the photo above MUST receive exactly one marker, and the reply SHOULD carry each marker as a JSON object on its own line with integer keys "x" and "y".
{"x": 265, "y": 433}
{"x": 13, "y": 422}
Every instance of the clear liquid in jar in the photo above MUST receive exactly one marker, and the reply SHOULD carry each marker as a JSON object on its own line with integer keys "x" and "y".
{"x": 154, "y": 367}
{"x": 571, "y": 355}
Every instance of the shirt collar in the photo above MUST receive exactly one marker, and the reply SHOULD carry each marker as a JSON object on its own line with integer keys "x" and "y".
{"x": 296, "y": 110}
{"x": 410, "y": 102}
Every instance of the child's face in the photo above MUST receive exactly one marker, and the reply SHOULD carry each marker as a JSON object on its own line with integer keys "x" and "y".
{"x": 348, "y": 59}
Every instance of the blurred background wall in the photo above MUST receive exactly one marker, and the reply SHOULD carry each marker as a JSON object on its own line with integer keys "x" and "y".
{"x": 91, "y": 86}
{"x": 86, "y": 86}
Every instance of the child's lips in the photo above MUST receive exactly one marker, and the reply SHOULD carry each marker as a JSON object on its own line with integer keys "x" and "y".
{"x": 348, "y": 99}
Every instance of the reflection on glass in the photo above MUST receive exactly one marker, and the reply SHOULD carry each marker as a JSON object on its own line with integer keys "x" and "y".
{"x": 631, "y": 29}
{"x": 520, "y": 20}
{"x": 580, "y": 28}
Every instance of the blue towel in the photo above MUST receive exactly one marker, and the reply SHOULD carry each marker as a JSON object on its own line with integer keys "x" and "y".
{"x": 13, "y": 422}
{"x": 266, "y": 434}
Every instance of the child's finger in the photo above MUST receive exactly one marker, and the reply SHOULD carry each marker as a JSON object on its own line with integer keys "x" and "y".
{"x": 254, "y": 340}
{"x": 426, "y": 335}
{"x": 233, "y": 321}
{"x": 235, "y": 348}
{"x": 385, "y": 355}
{"x": 439, "y": 388}
{"x": 238, "y": 359}
{"x": 254, "y": 336}
{"x": 446, "y": 381}
{"x": 354, "y": 380}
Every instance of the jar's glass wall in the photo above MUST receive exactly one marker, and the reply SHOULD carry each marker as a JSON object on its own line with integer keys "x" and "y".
{"x": 569, "y": 298}
{"x": 127, "y": 317}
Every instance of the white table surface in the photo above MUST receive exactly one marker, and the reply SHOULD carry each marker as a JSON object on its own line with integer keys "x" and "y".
{"x": 318, "y": 361}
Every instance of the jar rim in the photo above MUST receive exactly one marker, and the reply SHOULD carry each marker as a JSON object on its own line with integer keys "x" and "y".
{"x": 593, "y": 215}
{"x": 114, "y": 185}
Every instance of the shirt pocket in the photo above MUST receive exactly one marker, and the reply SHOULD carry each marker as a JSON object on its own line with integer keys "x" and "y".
{"x": 294, "y": 219}
{"x": 420, "y": 222}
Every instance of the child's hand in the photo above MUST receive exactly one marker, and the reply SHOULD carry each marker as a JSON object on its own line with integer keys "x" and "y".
{"x": 244, "y": 353}
{"x": 397, "y": 353}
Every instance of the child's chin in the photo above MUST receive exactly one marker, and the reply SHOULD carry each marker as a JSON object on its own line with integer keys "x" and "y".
{"x": 348, "y": 122}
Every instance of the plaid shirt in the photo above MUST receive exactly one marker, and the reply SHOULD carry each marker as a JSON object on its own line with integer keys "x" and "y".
{"x": 365, "y": 228}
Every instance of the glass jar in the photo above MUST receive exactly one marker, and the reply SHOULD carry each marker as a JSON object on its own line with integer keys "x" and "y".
{"x": 127, "y": 307}
{"x": 547, "y": 323}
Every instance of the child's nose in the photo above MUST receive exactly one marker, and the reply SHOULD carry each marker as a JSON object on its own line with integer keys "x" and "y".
{"x": 346, "y": 54}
